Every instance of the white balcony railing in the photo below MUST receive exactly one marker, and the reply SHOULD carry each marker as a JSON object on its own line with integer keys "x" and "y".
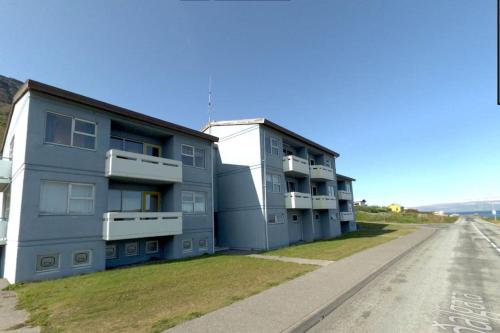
{"x": 346, "y": 216}
{"x": 294, "y": 165}
{"x": 322, "y": 172}
{"x": 324, "y": 202}
{"x": 139, "y": 225}
{"x": 297, "y": 200}
{"x": 344, "y": 195}
{"x": 123, "y": 164}
{"x": 3, "y": 232}
{"x": 5, "y": 173}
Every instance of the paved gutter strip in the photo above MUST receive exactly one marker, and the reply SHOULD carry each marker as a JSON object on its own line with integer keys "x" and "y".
{"x": 298, "y": 304}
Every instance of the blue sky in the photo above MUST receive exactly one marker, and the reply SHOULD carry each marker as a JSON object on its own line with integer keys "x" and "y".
{"x": 404, "y": 90}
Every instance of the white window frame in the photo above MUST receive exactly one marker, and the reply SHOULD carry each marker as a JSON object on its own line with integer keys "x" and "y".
{"x": 275, "y": 146}
{"x": 194, "y": 156}
{"x": 69, "y": 184}
{"x": 89, "y": 263}
{"x": 73, "y": 131}
{"x": 157, "y": 247}
{"x": 193, "y": 197}
{"x": 275, "y": 182}
{"x": 206, "y": 244}
{"x": 58, "y": 255}
{"x": 191, "y": 247}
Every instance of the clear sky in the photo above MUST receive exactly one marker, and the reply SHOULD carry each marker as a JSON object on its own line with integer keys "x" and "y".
{"x": 404, "y": 90}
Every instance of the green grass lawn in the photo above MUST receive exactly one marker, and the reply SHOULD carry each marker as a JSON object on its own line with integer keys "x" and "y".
{"x": 491, "y": 219}
{"x": 149, "y": 298}
{"x": 418, "y": 218}
{"x": 369, "y": 235}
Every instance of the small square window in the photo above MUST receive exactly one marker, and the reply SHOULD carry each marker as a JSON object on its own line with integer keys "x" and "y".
{"x": 273, "y": 219}
{"x": 131, "y": 249}
{"x": 295, "y": 218}
{"x": 111, "y": 252}
{"x": 187, "y": 245}
{"x": 82, "y": 258}
{"x": 316, "y": 216}
{"x": 47, "y": 262}
{"x": 203, "y": 244}
{"x": 152, "y": 246}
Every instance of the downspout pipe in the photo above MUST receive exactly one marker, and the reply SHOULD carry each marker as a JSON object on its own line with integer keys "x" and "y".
{"x": 264, "y": 174}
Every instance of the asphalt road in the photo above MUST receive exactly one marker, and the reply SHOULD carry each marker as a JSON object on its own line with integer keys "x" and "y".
{"x": 450, "y": 283}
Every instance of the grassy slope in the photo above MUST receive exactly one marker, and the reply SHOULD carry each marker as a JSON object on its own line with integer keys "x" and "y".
{"x": 420, "y": 218}
{"x": 150, "y": 297}
{"x": 369, "y": 235}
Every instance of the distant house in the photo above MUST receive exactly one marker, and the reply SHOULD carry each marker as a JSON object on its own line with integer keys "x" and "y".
{"x": 360, "y": 203}
{"x": 395, "y": 208}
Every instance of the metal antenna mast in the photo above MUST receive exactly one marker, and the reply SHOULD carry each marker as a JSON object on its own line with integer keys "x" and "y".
{"x": 209, "y": 99}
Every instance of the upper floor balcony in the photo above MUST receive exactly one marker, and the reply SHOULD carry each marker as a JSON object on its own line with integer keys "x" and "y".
{"x": 295, "y": 166}
{"x": 324, "y": 202}
{"x": 129, "y": 225}
{"x": 344, "y": 195}
{"x": 297, "y": 200}
{"x": 322, "y": 173}
{"x": 127, "y": 165}
{"x": 5, "y": 173}
{"x": 3, "y": 231}
{"x": 346, "y": 216}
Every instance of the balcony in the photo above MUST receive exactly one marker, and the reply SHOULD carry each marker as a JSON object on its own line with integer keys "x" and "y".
{"x": 324, "y": 202}
{"x": 297, "y": 200}
{"x": 322, "y": 173}
{"x": 5, "y": 173}
{"x": 346, "y": 216}
{"x": 130, "y": 225}
{"x": 3, "y": 232}
{"x": 295, "y": 166}
{"x": 125, "y": 165}
{"x": 344, "y": 195}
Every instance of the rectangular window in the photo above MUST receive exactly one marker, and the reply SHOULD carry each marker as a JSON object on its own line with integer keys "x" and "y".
{"x": 312, "y": 161}
{"x": 275, "y": 218}
{"x": 273, "y": 183}
{"x": 59, "y": 198}
{"x": 131, "y": 249}
{"x": 194, "y": 202}
{"x": 331, "y": 190}
{"x": 82, "y": 258}
{"x": 69, "y": 131}
{"x": 203, "y": 244}
{"x": 193, "y": 156}
{"x": 314, "y": 190}
{"x": 187, "y": 245}
{"x": 131, "y": 201}
{"x": 111, "y": 252}
{"x": 290, "y": 187}
{"x": 47, "y": 262}
{"x": 316, "y": 216}
{"x": 275, "y": 146}
{"x": 152, "y": 247}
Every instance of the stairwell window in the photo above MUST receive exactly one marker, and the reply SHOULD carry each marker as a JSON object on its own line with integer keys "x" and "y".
{"x": 69, "y": 131}
{"x": 193, "y": 156}
{"x": 194, "y": 202}
{"x": 61, "y": 198}
{"x": 273, "y": 183}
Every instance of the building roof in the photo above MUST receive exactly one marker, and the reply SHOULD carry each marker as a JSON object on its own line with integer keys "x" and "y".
{"x": 31, "y": 85}
{"x": 342, "y": 177}
{"x": 268, "y": 123}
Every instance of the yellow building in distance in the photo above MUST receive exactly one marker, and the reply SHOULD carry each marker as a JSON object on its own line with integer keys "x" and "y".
{"x": 395, "y": 208}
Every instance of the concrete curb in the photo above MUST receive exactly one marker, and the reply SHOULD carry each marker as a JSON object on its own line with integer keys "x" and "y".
{"x": 318, "y": 315}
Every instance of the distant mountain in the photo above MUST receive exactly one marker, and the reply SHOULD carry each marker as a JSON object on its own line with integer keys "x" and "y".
{"x": 8, "y": 88}
{"x": 456, "y": 207}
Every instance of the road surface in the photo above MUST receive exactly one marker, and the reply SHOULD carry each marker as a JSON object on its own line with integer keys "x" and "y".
{"x": 450, "y": 283}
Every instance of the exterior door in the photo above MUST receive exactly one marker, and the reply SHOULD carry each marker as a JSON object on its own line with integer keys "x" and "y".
{"x": 295, "y": 227}
{"x": 152, "y": 150}
{"x": 150, "y": 201}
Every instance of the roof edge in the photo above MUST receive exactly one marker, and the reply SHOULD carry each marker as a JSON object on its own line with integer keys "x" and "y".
{"x": 342, "y": 177}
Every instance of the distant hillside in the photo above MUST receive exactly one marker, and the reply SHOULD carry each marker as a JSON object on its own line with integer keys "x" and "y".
{"x": 8, "y": 88}
{"x": 462, "y": 206}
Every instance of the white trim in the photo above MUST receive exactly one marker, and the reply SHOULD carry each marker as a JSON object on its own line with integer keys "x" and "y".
{"x": 89, "y": 263}
{"x": 194, "y": 156}
{"x": 193, "y": 197}
{"x": 69, "y": 198}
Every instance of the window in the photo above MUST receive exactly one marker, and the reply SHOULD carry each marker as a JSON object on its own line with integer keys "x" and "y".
{"x": 275, "y": 218}
{"x": 348, "y": 187}
{"x": 203, "y": 244}
{"x": 133, "y": 201}
{"x": 111, "y": 252}
{"x": 273, "y": 183}
{"x": 314, "y": 190}
{"x": 193, "y": 156}
{"x": 275, "y": 147}
{"x": 295, "y": 218}
{"x": 331, "y": 190}
{"x": 328, "y": 162}
{"x": 82, "y": 258}
{"x": 152, "y": 246}
{"x": 316, "y": 216}
{"x": 290, "y": 186}
{"x": 131, "y": 249}
{"x": 69, "y": 131}
{"x": 193, "y": 202}
{"x": 187, "y": 245}
{"x": 134, "y": 146}
{"x": 61, "y": 198}
{"x": 312, "y": 161}
{"x": 47, "y": 262}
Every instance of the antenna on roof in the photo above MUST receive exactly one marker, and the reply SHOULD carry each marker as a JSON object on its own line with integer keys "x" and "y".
{"x": 210, "y": 99}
